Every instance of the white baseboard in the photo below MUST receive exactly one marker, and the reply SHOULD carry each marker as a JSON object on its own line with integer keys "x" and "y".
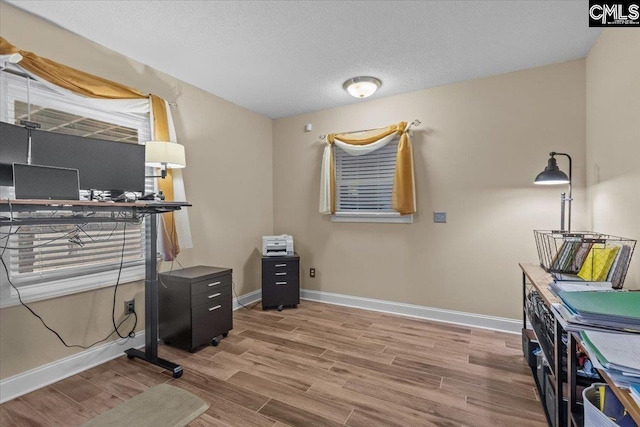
{"x": 247, "y": 299}
{"x": 421, "y": 312}
{"x": 31, "y": 380}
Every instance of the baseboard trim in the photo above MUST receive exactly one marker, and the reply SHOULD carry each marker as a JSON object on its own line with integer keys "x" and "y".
{"x": 31, "y": 380}
{"x": 247, "y": 299}
{"x": 418, "y": 311}
{"x": 42, "y": 376}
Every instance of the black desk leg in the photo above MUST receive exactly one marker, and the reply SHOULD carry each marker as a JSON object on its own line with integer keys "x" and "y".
{"x": 572, "y": 369}
{"x": 557, "y": 353}
{"x": 524, "y": 302}
{"x": 150, "y": 353}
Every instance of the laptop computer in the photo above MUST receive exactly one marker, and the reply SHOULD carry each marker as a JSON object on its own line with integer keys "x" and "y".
{"x": 45, "y": 182}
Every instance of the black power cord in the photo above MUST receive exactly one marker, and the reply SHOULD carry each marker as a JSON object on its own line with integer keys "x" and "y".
{"x": 129, "y": 335}
{"x": 115, "y": 291}
{"x": 56, "y": 333}
{"x": 233, "y": 285}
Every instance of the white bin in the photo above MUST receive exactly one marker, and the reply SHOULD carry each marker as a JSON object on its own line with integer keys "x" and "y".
{"x": 593, "y": 417}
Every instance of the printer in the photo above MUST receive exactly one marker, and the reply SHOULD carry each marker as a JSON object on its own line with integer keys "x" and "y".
{"x": 277, "y": 245}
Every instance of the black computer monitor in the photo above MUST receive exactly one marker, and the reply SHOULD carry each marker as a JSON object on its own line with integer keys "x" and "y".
{"x": 45, "y": 182}
{"x": 102, "y": 165}
{"x": 14, "y": 144}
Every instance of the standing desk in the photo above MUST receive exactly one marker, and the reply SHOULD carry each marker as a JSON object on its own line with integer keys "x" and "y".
{"x": 45, "y": 212}
{"x": 536, "y": 276}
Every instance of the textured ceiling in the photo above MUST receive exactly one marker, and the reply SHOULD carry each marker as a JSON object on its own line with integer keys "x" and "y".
{"x": 281, "y": 58}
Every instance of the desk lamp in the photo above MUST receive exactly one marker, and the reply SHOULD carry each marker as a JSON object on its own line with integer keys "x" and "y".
{"x": 164, "y": 155}
{"x": 552, "y": 175}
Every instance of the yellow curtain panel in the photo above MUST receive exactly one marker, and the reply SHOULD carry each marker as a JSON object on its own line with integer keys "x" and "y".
{"x": 96, "y": 87}
{"x": 402, "y": 198}
{"x": 368, "y": 137}
{"x": 69, "y": 78}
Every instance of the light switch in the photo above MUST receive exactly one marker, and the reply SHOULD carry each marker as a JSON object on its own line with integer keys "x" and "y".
{"x": 439, "y": 217}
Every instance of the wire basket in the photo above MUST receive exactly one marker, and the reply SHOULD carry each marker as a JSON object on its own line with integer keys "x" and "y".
{"x": 584, "y": 255}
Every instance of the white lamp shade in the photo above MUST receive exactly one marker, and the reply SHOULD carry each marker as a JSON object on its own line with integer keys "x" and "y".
{"x": 361, "y": 87}
{"x": 159, "y": 153}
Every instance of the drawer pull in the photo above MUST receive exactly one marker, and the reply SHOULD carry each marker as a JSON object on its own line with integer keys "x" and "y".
{"x": 214, "y": 295}
{"x": 281, "y": 283}
{"x": 281, "y": 274}
{"x": 213, "y": 284}
{"x": 281, "y": 265}
{"x": 215, "y": 308}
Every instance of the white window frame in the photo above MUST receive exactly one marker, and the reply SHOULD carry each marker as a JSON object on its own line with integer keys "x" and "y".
{"x": 369, "y": 216}
{"x": 80, "y": 282}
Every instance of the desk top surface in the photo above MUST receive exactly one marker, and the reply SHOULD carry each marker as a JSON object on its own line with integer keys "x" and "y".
{"x": 92, "y": 203}
{"x": 82, "y": 211}
{"x": 540, "y": 280}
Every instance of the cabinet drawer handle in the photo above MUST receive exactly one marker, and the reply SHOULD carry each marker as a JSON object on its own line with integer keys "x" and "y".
{"x": 214, "y": 295}
{"x": 215, "y": 308}
{"x": 281, "y": 283}
{"x": 281, "y": 265}
{"x": 213, "y": 284}
{"x": 281, "y": 274}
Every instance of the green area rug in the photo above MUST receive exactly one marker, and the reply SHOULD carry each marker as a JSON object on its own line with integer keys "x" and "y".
{"x": 162, "y": 405}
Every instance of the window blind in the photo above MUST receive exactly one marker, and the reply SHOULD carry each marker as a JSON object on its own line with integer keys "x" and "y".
{"x": 48, "y": 252}
{"x": 365, "y": 183}
{"x": 45, "y": 253}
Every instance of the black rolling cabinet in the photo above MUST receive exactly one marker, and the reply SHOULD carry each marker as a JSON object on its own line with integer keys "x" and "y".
{"x": 280, "y": 282}
{"x": 195, "y": 306}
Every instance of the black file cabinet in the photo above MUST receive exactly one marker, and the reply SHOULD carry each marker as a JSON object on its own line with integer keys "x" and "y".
{"x": 280, "y": 282}
{"x": 195, "y": 306}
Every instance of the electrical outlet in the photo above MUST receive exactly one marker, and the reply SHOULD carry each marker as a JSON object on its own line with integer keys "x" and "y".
{"x": 439, "y": 217}
{"x": 312, "y": 272}
{"x": 129, "y": 306}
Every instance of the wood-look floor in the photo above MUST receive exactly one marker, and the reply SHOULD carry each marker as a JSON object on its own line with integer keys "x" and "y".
{"x": 318, "y": 365}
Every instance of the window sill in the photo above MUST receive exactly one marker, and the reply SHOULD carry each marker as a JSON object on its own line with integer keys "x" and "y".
{"x": 375, "y": 217}
{"x": 58, "y": 288}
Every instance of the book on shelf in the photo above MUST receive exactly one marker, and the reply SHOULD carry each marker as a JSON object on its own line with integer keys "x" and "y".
{"x": 598, "y": 263}
{"x": 614, "y": 305}
{"x": 580, "y": 256}
{"x": 615, "y": 351}
{"x": 611, "y": 310}
{"x": 579, "y": 286}
{"x": 565, "y": 256}
{"x": 619, "y": 267}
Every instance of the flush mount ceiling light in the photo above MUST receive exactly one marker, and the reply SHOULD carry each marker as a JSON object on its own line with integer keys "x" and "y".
{"x": 361, "y": 87}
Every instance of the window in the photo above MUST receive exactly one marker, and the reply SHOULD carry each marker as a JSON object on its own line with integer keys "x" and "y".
{"x": 364, "y": 185}
{"x": 48, "y": 261}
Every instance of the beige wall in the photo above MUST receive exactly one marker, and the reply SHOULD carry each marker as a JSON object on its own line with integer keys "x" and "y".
{"x": 613, "y": 138}
{"x": 480, "y": 145}
{"x": 228, "y": 180}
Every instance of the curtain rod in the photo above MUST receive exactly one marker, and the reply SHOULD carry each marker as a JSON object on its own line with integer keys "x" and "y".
{"x": 10, "y": 68}
{"x": 416, "y": 123}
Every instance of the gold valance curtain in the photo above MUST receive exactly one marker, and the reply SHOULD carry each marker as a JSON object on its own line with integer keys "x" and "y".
{"x": 92, "y": 86}
{"x": 402, "y": 198}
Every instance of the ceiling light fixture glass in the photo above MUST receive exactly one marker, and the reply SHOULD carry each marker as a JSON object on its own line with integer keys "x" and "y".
{"x": 362, "y": 87}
